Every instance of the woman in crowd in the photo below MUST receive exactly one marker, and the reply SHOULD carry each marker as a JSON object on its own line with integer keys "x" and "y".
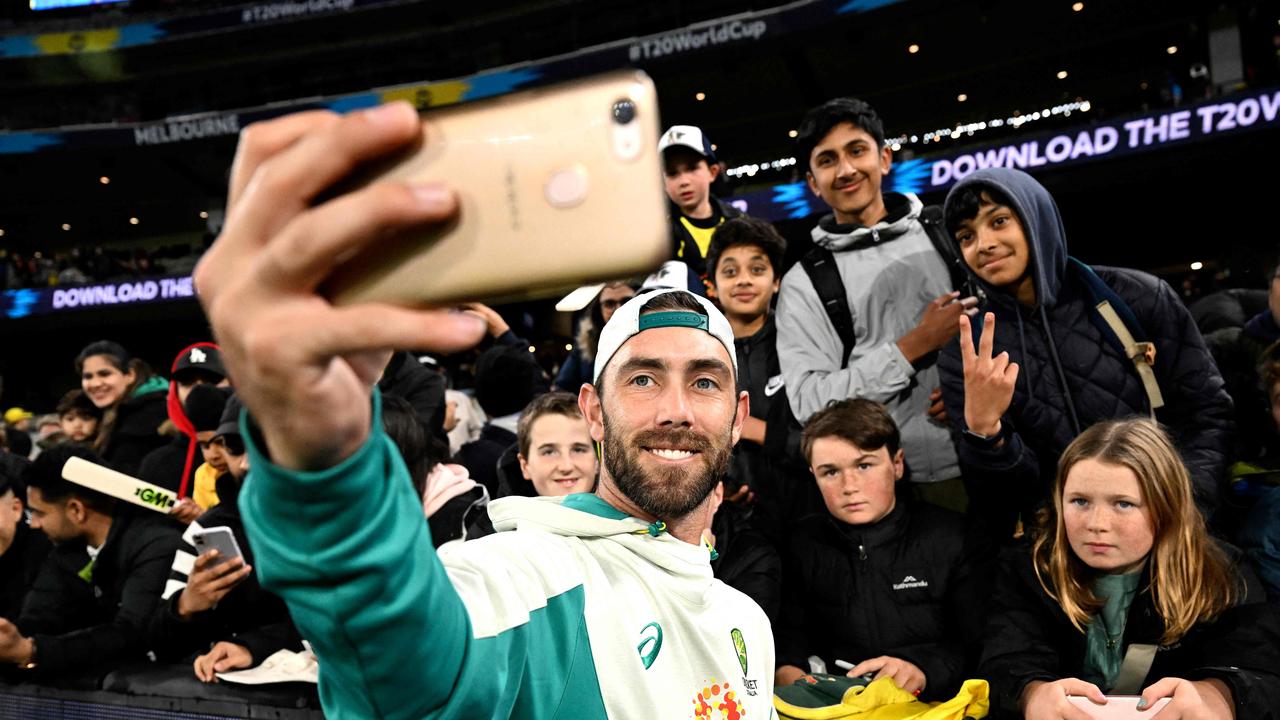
{"x": 1124, "y": 592}
{"x": 577, "y": 368}
{"x": 132, "y": 401}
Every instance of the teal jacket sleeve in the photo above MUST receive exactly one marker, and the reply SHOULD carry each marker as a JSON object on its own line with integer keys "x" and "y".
{"x": 349, "y": 550}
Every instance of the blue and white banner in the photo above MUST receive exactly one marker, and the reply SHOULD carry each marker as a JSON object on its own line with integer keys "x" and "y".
{"x": 42, "y": 301}
{"x": 1256, "y": 110}
{"x": 629, "y": 52}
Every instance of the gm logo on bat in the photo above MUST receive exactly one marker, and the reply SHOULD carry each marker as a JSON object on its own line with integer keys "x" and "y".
{"x": 158, "y": 499}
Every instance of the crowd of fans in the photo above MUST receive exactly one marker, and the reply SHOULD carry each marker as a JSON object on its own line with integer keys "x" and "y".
{"x": 99, "y": 264}
{"x": 969, "y": 455}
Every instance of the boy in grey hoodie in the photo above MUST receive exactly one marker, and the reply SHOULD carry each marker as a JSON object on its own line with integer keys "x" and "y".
{"x": 898, "y": 293}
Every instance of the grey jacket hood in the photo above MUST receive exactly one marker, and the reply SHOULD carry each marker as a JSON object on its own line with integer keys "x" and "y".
{"x": 903, "y": 211}
{"x": 1038, "y": 212}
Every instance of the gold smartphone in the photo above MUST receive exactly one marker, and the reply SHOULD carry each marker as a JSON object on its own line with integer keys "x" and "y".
{"x": 558, "y": 186}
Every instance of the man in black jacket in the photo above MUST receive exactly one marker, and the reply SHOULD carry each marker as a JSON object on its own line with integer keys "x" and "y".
{"x": 885, "y": 585}
{"x": 1071, "y": 370}
{"x": 22, "y": 550}
{"x": 98, "y": 587}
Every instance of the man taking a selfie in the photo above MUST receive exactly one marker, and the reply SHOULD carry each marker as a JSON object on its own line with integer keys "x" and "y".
{"x": 596, "y": 605}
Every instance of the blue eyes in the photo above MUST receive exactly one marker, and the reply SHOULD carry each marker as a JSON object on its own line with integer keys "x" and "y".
{"x": 641, "y": 381}
{"x": 705, "y": 384}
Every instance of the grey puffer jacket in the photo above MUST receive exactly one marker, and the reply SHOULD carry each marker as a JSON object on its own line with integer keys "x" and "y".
{"x": 1071, "y": 376}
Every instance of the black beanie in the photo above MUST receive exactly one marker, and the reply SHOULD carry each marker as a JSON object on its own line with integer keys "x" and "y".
{"x": 507, "y": 378}
{"x": 204, "y": 406}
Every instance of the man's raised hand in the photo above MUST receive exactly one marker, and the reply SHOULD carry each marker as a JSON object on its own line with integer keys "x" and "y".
{"x": 302, "y": 366}
{"x": 988, "y": 381}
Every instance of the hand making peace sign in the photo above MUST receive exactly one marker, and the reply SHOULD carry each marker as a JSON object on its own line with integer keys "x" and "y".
{"x": 988, "y": 381}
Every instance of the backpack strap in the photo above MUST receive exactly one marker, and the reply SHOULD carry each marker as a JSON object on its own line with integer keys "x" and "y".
{"x": 931, "y": 218}
{"x": 1121, "y": 328}
{"x": 1134, "y": 669}
{"x": 820, "y": 264}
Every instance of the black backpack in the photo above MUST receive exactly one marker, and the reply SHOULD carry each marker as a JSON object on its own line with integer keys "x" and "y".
{"x": 820, "y": 264}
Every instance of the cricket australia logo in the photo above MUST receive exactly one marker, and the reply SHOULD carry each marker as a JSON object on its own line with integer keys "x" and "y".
{"x": 909, "y": 582}
{"x": 740, "y": 646}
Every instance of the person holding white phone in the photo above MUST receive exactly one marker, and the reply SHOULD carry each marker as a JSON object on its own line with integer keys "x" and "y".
{"x": 1124, "y": 592}
{"x": 212, "y": 596}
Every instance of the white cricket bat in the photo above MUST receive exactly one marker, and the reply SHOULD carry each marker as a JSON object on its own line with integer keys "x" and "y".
{"x": 118, "y": 485}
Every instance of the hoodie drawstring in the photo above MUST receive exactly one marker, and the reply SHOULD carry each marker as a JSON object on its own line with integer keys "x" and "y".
{"x": 1057, "y": 366}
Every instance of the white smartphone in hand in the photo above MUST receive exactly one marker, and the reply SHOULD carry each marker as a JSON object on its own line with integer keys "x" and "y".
{"x": 217, "y": 538}
{"x": 1118, "y": 707}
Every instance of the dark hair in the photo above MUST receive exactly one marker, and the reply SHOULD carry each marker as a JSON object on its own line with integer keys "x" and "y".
{"x": 75, "y": 401}
{"x": 865, "y": 423}
{"x": 964, "y": 203}
{"x": 12, "y": 468}
{"x": 589, "y": 331}
{"x": 746, "y": 230}
{"x": 508, "y": 378}
{"x": 555, "y": 403}
{"x": 45, "y": 473}
{"x": 402, "y": 425}
{"x": 680, "y": 300}
{"x": 124, "y": 362}
{"x": 820, "y": 120}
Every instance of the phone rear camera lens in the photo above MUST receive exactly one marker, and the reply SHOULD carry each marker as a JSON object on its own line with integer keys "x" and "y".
{"x": 624, "y": 111}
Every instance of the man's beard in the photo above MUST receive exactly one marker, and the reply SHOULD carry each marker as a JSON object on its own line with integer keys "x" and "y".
{"x": 666, "y": 492}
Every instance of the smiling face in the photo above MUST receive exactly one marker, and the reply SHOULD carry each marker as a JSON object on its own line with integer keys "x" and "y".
{"x": 994, "y": 245}
{"x": 857, "y": 485}
{"x": 846, "y": 169}
{"x": 562, "y": 458}
{"x": 668, "y": 415}
{"x": 78, "y": 426}
{"x": 745, "y": 281}
{"x": 1107, "y": 521}
{"x": 103, "y": 382}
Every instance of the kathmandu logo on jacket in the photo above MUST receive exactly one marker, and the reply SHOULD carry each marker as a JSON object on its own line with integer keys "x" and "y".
{"x": 909, "y": 582}
{"x": 652, "y": 642}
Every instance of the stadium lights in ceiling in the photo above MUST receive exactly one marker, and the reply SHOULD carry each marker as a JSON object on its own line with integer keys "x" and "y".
{"x": 66, "y": 226}
{"x": 204, "y": 214}
{"x": 1062, "y": 74}
{"x": 1197, "y": 265}
{"x": 961, "y": 97}
{"x": 700, "y": 96}
{"x": 1172, "y": 49}
{"x": 1016, "y": 120}
{"x": 568, "y": 348}
{"x": 714, "y": 147}
{"x": 133, "y": 221}
{"x": 792, "y": 133}
{"x": 532, "y": 349}
{"x": 104, "y": 180}
{"x": 1077, "y": 7}
{"x": 1, "y": 232}
{"x": 913, "y": 48}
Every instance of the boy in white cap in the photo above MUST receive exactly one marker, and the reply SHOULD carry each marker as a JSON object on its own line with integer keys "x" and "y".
{"x": 588, "y": 606}
{"x": 689, "y": 166}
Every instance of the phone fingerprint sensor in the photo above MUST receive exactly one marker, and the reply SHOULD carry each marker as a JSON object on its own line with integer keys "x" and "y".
{"x": 568, "y": 187}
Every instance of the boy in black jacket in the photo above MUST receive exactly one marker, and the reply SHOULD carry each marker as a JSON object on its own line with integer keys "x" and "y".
{"x": 98, "y": 587}
{"x": 889, "y": 586}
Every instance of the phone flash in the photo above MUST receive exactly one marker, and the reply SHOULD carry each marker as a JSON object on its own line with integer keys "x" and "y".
{"x": 567, "y": 188}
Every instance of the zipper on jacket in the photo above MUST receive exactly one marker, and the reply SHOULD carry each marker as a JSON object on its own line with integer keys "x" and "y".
{"x": 862, "y": 552}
